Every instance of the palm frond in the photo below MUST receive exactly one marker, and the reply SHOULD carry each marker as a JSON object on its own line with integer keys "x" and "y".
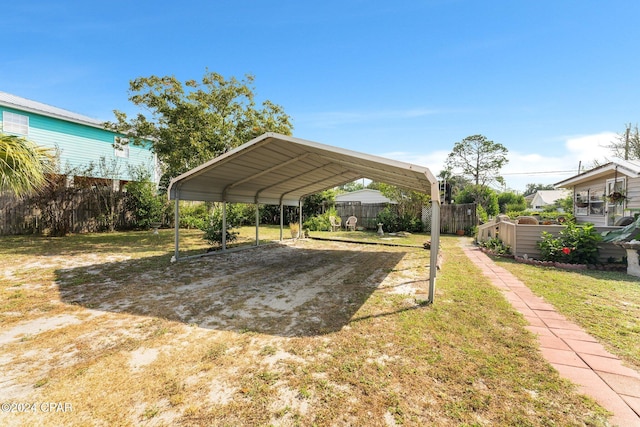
{"x": 23, "y": 165}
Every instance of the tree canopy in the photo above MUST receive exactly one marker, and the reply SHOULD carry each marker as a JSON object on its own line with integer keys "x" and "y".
{"x": 23, "y": 165}
{"x": 478, "y": 159}
{"x": 408, "y": 201}
{"x": 187, "y": 124}
{"x": 484, "y": 196}
{"x": 511, "y": 202}
{"x": 533, "y": 187}
{"x": 627, "y": 144}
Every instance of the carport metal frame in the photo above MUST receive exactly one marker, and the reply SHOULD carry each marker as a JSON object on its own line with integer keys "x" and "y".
{"x": 281, "y": 170}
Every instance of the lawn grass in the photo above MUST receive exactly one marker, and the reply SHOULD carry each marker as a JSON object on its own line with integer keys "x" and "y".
{"x": 605, "y": 304}
{"x": 139, "y": 346}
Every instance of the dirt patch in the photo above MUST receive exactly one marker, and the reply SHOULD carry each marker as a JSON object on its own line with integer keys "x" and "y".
{"x": 117, "y": 310}
{"x": 283, "y": 290}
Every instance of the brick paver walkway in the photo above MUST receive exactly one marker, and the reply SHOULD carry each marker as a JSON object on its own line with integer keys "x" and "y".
{"x": 575, "y": 354}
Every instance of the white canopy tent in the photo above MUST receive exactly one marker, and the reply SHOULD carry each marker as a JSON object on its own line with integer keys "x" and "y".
{"x": 281, "y": 170}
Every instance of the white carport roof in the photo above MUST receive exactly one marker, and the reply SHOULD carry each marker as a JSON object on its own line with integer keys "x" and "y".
{"x": 278, "y": 169}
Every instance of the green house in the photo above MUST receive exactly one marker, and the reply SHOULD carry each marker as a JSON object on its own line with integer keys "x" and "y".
{"x": 79, "y": 140}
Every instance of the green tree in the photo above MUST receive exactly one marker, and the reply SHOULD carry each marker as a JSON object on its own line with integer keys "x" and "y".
{"x": 478, "y": 159}
{"x": 190, "y": 123}
{"x": 566, "y": 204}
{"x": 319, "y": 203}
{"x": 531, "y": 188}
{"x": 351, "y": 186}
{"x": 485, "y": 197}
{"x": 511, "y": 202}
{"x": 23, "y": 165}
{"x": 627, "y": 144}
{"x": 408, "y": 202}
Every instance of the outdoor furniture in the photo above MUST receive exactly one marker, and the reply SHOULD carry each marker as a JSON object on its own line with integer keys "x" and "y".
{"x": 351, "y": 223}
{"x": 336, "y": 223}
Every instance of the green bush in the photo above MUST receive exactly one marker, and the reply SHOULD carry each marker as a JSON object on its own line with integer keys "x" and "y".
{"x": 194, "y": 215}
{"x": 392, "y": 222}
{"x": 144, "y": 203}
{"x": 544, "y": 216}
{"x": 317, "y": 223}
{"x": 213, "y": 230}
{"x": 240, "y": 214}
{"x": 483, "y": 216}
{"x": 496, "y": 246}
{"x": 574, "y": 245}
{"x": 320, "y": 222}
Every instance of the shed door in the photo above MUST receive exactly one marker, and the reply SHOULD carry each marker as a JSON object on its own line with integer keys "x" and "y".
{"x": 615, "y": 209}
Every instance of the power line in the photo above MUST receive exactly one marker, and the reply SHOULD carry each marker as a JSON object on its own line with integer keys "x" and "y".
{"x": 538, "y": 173}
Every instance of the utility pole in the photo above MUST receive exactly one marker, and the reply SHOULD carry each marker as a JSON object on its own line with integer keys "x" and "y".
{"x": 626, "y": 142}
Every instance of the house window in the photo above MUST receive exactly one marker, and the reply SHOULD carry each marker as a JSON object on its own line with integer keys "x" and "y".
{"x": 581, "y": 203}
{"x": 589, "y": 202}
{"x": 121, "y": 147}
{"x": 15, "y": 123}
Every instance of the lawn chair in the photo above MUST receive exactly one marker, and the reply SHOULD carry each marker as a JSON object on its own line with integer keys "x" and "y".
{"x": 336, "y": 223}
{"x": 351, "y": 223}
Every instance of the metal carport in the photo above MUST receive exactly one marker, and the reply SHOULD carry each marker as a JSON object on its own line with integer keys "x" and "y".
{"x": 281, "y": 170}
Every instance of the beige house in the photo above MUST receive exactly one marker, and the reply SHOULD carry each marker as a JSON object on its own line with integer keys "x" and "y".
{"x": 607, "y": 193}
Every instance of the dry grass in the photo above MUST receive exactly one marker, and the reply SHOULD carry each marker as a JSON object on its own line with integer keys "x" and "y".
{"x": 305, "y": 333}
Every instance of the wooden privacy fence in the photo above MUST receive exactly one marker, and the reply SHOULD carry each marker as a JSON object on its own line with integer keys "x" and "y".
{"x": 365, "y": 212}
{"x": 523, "y": 238}
{"x": 85, "y": 214}
{"x": 458, "y": 217}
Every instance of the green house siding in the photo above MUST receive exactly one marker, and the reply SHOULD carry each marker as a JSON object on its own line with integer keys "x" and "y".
{"x": 79, "y": 144}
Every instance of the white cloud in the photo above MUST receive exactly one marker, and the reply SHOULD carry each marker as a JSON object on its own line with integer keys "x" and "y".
{"x": 591, "y": 147}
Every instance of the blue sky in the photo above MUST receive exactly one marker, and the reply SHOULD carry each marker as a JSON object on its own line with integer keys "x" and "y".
{"x": 551, "y": 80}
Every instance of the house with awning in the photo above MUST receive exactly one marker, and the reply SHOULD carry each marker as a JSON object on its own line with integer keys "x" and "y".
{"x": 606, "y": 195}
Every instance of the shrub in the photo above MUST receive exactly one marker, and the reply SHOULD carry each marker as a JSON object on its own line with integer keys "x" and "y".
{"x": 544, "y": 215}
{"x": 392, "y": 222}
{"x": 496, "y": 246}
{"x": 320, "y": 222}
{"x": 483, "y": 216}
{"x": 574, "y": 245}
{"x": 143, "y": 201}
{"x": 213, "y": 230}
{"x": 240, "y": 214}
{"x": 194, "y": 215}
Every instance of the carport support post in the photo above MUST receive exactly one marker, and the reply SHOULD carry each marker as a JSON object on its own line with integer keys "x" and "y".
{"x": 300, "y": 221}
{"x": 224, "y": 225}
{"x": 281, "y": 220}
{"x": 257, "y": 224}
{"x": 435, "y": 243}
{"x": 176, "y": 225}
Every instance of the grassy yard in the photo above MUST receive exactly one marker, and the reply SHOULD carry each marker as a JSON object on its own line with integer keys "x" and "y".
{"x": 606, "y": 304}
{"x": 305, "y": 333}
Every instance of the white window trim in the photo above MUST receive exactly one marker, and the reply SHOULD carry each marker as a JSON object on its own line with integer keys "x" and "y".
{"x": 15, "y": 123}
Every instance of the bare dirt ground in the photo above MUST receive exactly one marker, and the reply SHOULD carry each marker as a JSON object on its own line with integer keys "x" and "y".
{"x": 229, "y": 339}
